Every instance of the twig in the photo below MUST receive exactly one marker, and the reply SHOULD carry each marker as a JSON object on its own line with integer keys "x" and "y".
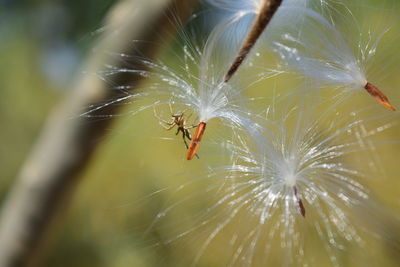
{"x": 267, "y": 11}
{"x": 66, "y": 144}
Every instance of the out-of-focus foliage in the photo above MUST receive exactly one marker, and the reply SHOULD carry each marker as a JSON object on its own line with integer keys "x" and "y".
{"x": 42, "y": 44}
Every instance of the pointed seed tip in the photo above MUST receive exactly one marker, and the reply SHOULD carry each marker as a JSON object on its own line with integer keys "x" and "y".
{"x": 386, "y": 104}
{"x": 378, "y": 95}
{"x": 189, "y": 156}
{"x": 389, "y": 106}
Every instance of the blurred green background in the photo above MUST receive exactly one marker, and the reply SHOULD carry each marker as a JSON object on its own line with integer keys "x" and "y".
{"x": 42, "y": 44}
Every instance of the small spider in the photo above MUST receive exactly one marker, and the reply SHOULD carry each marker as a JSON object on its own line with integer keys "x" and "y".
{"x": 178, "y": 119}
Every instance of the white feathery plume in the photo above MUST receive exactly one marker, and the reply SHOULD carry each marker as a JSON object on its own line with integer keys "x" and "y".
{"x": 299, "y": 164}
{"x": 306, "y": 41}
{"x": 244, "y": 7}
{"x": 302, "y": 167}
{"x": 194, "y": 88}
{"x": 245, "y": 22}
{"x": 315, "y": 48}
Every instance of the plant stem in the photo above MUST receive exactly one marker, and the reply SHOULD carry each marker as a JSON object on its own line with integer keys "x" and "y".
{"x": 267, "y": 11}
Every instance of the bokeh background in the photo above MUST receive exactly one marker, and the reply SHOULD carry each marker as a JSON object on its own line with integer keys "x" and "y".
{"x": 109, "y": 221}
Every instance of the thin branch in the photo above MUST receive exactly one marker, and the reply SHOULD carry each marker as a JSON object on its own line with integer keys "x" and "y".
{"x": 68, "y": 140}
{"x": 267, "y": 11}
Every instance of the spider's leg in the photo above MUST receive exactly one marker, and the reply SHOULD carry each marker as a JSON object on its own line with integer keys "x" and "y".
{"x": 187, "y": 134}
{"x": 184, "y": 140}
{"x": 191, "y": 127}
{"x": 170, "y": 106}
{"x": 171, "y": 125}
{"x": 167, "y": 125}
{"x": 155, "y": 114}
{"x": 183, "y": 111}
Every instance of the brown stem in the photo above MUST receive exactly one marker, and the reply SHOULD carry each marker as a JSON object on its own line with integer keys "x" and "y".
{"x": 379, "y": 96}
{"x": 68, "y": 141}
{"x": 263, "y": 18}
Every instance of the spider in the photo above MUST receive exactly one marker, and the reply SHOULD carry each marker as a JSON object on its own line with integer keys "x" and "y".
{"x": 177, "y": 119}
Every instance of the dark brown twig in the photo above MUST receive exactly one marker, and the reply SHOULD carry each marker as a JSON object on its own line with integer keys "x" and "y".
{"x": 267, "y": 11}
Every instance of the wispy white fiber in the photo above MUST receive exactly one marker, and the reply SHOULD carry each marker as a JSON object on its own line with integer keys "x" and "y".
{"x": 305, "y": 154}
{"x": 192, "y": 83}
{"x": 297, "y": 174}
{"x": 317, "y": 50}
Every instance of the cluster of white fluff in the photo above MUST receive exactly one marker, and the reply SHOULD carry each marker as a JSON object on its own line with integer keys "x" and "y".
{"x": 294, "y": 154}
{"x": 195, "y": 86}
